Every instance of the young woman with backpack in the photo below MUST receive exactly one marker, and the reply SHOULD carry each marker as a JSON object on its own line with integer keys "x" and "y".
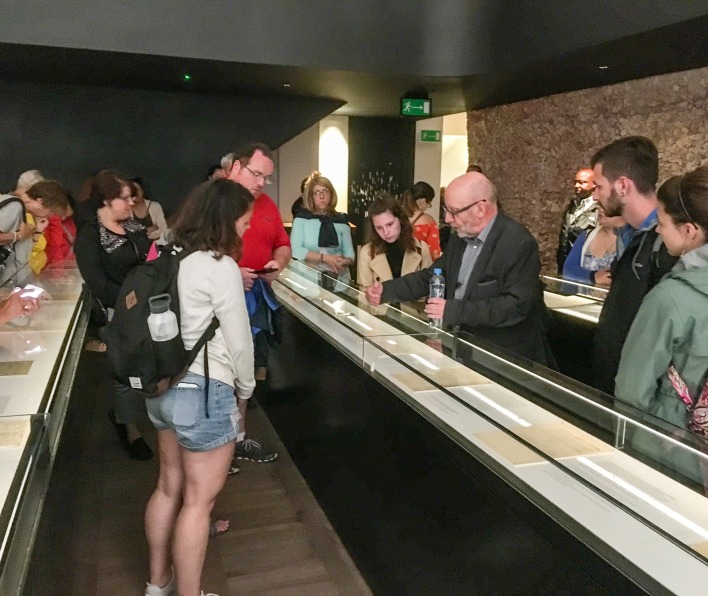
{"x": 196, "y": 437}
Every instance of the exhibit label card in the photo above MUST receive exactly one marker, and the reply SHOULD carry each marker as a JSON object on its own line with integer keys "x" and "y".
{"x": 14, "y": 432}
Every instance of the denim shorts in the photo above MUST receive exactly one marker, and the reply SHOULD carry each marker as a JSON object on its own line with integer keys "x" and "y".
{"x": 183, "y": 409}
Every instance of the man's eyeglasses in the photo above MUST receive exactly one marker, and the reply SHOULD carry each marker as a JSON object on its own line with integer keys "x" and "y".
{"x": 455, "y": 212}
{"x": 260, "y": 176}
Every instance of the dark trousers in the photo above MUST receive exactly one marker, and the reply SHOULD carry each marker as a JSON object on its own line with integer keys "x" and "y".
{"x": 261, "y": 349}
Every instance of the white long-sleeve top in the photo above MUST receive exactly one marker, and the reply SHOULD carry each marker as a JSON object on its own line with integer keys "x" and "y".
{"x": 209, "y": 288}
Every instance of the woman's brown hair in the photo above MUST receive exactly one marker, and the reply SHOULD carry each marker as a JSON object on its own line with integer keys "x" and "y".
{"x": 53, "y": 194}
{"x": 206, "y": 220}
{"x": 317, "y": 179}
{"x": 420, "y": 190}
{"x": 381, "y": 204}
{"x": 101, "y": 189}
{"x": 685, "y": 198}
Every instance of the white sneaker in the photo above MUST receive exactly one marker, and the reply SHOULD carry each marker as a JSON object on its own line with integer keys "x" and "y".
{"x": 168, "y": 590}
{"x": 209, "y": 594}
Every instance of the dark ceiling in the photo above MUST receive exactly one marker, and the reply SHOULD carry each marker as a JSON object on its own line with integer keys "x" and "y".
{"x": 675, "y": 47}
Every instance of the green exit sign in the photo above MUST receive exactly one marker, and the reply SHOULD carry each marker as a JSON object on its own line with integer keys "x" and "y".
{"x": 415, "y": 107}
{"x": 430, "y": 136}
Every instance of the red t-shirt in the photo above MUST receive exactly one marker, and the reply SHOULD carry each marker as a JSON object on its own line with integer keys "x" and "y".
{"x": 60, "y": 235}
{"x": 265, "y": 234}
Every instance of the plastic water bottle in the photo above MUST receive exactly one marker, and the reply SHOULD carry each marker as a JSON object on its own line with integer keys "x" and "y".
{"x": 437, "y": 290}
{"x": 161, "y": 321}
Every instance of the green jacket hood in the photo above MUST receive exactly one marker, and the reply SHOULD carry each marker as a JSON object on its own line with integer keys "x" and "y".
{"x": 692, "y": 269}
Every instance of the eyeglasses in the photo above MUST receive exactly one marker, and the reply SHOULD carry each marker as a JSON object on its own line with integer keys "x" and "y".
{"x": 455, "y": 212}
{"x": 260, "y": 176}
{"x": 320, "y": 193}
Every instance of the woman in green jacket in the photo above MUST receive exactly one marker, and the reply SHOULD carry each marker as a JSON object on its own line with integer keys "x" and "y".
{"x": 671, "y": 328}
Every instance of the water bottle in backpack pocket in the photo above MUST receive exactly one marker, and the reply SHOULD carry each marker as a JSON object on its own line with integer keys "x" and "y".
{"x": 168, "y": 346}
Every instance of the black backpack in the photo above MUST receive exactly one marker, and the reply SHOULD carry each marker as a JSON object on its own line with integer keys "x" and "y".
{"x": 136, "y": 360}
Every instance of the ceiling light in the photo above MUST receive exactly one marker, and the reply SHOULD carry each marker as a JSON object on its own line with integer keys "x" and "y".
{"x": 286, "y": 84}
{"x": 604, "y": 67}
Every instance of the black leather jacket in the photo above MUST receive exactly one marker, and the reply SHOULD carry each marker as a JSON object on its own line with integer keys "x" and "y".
{"x": 580, "y": 215}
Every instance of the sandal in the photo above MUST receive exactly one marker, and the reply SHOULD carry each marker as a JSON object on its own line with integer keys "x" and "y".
{"x": 219, "y": 526}
{"x": 95, "y": 345}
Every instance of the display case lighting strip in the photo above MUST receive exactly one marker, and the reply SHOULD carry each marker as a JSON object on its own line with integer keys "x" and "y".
{"x": 361, "y": 324}
{"x": 496, "y": 406}
{"x": 649, "y": 500}
{"x": 425, "y": 362}
{"x": 336, "y": 307}
{"x": 292, "y": 283}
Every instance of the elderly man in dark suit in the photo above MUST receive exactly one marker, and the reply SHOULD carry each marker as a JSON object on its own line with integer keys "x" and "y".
{"x": 491, "y": 267}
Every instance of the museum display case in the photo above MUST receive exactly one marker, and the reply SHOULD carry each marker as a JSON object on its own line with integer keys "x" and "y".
{"x": 38, "y": 358}
{"x": 575, "y": 300}
{"x": 572, "y": 451}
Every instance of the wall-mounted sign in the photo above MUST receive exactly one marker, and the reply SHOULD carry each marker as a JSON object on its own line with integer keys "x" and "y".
{"x": 430, "y": 136}
{"x": 415, "y": 107}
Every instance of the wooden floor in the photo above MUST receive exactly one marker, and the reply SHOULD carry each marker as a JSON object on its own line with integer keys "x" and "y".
{"x": 91, "y": 537}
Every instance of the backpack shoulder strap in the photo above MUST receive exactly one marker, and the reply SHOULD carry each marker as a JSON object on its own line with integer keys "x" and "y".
{"x": 207, "y": 336}
{"x": 8, "y": 199}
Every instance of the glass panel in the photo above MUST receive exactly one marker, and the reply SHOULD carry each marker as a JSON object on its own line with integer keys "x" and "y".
{"x": 38, "y": 355}
{"x": 572, "y": 288}
{"x": 339, "y": 311}
{"x": 526, "y": 416}
{"x": 30, "y": 346}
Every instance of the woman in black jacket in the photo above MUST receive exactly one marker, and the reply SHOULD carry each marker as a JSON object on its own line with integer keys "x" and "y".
{"x": 108, "y": 245}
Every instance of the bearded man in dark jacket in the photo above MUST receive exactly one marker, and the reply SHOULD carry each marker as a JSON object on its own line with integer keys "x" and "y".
{"x": 626, "y": 172}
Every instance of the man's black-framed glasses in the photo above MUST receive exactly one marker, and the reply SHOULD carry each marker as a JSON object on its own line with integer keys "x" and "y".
{"x": 260, "y": 176}
{"x": 455, "y": 212}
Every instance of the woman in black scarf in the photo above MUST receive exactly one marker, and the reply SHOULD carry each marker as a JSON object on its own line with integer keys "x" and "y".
{"x": 320, "y": 236}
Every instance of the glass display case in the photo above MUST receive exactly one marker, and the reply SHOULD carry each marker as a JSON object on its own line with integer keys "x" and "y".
{"x": 573, "y": 299}
{"x": 38, "y": 357}
{"x": 564, "y": 446}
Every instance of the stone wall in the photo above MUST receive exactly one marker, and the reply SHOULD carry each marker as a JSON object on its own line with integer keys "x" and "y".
{"x": 532, "y": 149}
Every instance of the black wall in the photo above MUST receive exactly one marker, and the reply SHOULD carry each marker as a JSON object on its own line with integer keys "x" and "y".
{"x": 381, "y": 157}
{"x": 170, "y": 139}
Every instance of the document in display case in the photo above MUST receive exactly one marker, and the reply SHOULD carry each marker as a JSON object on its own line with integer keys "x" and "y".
{"x": 561, "y": 444}
{"x": 38, "y": 358}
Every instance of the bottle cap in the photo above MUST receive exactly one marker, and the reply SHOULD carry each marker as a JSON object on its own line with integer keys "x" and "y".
{"x": 159, "y": 304}
{"x": 437, "y": 271}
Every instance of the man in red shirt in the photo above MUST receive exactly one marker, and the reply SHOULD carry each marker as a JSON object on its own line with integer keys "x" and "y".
{"x": 266, "y": 245}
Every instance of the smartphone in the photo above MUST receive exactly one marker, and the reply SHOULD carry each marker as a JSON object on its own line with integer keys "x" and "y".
{"x": 266, "y": 270}
{"x": 30, "y": 291}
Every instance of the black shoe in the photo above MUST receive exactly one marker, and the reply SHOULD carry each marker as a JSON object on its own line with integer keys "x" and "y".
{"x": 254, "y": 451}
{"x": 121, "y": 431}
{"x": 139, "y": 449}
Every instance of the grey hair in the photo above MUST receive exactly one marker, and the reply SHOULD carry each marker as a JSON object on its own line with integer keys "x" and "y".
{"x": 227, "y": 162}
{"x": 29, "y": 178}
